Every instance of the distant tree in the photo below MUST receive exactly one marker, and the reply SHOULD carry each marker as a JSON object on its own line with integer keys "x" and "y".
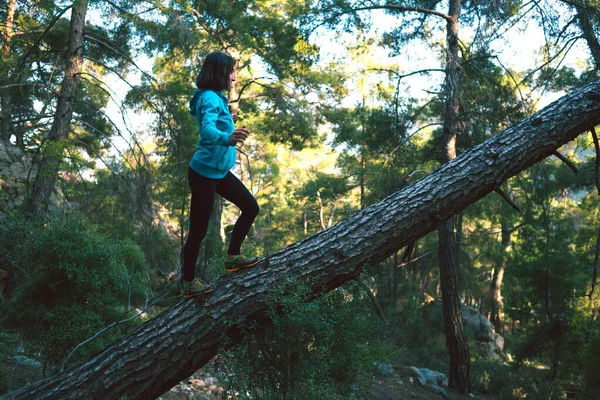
{"x": 44, "y": 182}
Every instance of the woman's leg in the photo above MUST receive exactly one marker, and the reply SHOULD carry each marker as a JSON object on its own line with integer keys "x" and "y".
{"x": 203, "y": 196}
{"x": 232, "y": 189}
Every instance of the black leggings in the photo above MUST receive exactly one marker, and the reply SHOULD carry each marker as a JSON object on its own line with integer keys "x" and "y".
{"x": 203, "y": 197}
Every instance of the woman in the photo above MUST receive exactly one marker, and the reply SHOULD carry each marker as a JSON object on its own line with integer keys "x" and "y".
{"x": 208, "y": 172}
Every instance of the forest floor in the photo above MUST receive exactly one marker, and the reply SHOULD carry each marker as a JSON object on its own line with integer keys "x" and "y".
{"x": 402, "y": 384}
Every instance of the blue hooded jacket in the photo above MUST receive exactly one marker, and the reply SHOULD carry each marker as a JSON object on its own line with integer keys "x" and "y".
{"x": 215, "y": 155}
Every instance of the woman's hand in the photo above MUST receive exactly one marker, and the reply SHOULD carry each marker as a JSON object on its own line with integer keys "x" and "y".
{"x": 239, "y": 135}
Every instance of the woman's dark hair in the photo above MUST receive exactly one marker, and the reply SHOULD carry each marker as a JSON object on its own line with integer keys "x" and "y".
{"x": 215, "y": 72}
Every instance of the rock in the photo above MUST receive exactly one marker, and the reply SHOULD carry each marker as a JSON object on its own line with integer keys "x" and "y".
{"x": 499, "y": 340}
{"x": 488, "y": 350}
{"x": 477, "y": 325}
{"x": 417, "y": 374}
{"x": 384, "y": 368}
{"x": 438, "y": 390}
{"x": 15, "y": 171}
{"x": 197, "y": 383}
{"x": 71, "y": 205}
{"x": 22, "y": 360}
{"x": 8, "y": 186}
{"x": 434, "y": 377}
{"x": 212, "y": 387}
{"x": 209, "y": 380}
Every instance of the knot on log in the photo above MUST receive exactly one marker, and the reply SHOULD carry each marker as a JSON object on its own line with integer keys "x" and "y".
{"x": 536, "y": 121}
{"x": 593, "y": 96}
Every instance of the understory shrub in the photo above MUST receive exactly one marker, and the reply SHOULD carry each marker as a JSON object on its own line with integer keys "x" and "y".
{"x": 69, "y": 283}
{"x": 419, "y": 337}
{"x": 326, "y": 348}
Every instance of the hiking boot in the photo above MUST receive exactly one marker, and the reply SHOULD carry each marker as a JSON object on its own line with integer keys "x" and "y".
{"x": 195, "y": 288}
{"x": 240, "y": 262}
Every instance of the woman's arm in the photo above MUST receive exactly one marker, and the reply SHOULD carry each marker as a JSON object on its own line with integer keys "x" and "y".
{"x": 209, "y": 112}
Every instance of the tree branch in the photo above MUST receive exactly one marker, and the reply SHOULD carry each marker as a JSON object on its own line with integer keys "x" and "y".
{"x": 570, "y": 43}
{"x": 402, "y": 76}
{"x": 566, "y": 161}
{"x": 53, "y": 21}
{"x": 373, "y": 299}
{"x": 398, "y": 8}
{"x": 508, "y": 200}
{"x": 118, "y": 322}
{"x": 403, "y": 264}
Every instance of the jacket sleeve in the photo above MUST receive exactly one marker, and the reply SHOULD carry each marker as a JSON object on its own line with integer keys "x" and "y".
{"x": 209, "y": 108}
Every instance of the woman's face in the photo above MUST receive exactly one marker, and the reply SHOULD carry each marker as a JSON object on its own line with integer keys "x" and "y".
{"x": 232, "y": 78}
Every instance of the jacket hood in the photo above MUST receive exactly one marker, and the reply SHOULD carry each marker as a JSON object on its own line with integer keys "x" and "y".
{"x": 196, "y": 97}
{"x": 194, "y": 100}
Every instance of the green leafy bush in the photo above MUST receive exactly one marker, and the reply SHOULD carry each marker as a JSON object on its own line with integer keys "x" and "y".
{"x": 418, "y": 331}
{"x": 592, "y": 365}
{"x": 13, "y": 375}
{"x": 312, "y": 350}
{"x": 70, "y": 283}
{"x": 493, "y": 378}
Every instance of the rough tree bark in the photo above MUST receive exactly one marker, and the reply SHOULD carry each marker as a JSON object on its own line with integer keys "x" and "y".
{"x": 496, "y": 302}
{"x": 50, "y": 164}
{"x": 173, "y": 345}
{"x": 8, "y": 26}
{"x": 6, "y": 127}
{"x": 458, "y": 376}
{"x": 587, "y": 26}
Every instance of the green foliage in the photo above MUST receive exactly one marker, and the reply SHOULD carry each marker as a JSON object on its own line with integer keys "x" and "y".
{"x": 326, "y": 140}
{"x": 491, "y": 377}
{"x": 13, "y": 375}
{"x": 70, "y": 282}
{"x": 419, "y": 335}
{"x": 591, "y": 364}
{"x": 316, "y": 349}
{"x": 35, "y": 69}
{"x": 119, "y": 203}
{"x": 506, "y": 382}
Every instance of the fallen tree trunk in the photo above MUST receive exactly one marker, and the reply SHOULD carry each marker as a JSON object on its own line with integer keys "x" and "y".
{"x": 167, "y": 349}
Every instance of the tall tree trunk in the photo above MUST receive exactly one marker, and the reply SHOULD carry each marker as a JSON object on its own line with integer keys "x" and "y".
{"x": 395, "y": 279}
{"x": 46, "y": 177}
{"x": 363, "y": 155}
{"x": 8, "y": 26}
{"x": 455, "y": 337}
{"x": 172, "y": 346}
{"x": 587, "y": 26}
{"x": 496, "y": 303}
{"x": 6, "y": 128}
